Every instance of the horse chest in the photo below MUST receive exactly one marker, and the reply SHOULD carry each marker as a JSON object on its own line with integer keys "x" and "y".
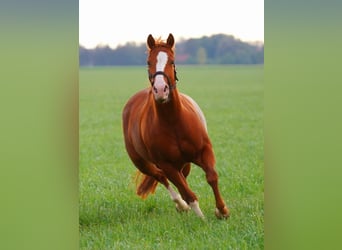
{"x": 172, "y": 147}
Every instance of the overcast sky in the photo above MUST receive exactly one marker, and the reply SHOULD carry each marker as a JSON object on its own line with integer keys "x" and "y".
{"x": 115, "y": 22}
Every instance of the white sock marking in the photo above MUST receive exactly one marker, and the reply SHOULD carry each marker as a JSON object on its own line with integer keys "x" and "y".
{"x": 195, "y": 206}
{"x": 180, "y": 203}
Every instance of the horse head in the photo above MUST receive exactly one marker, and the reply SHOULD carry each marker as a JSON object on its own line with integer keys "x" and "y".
{"x": 161, "y": 67}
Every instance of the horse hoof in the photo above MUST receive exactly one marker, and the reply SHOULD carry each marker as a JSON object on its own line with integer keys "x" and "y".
{"x": 182, "y": 207}
{"x": 222, "y": 215}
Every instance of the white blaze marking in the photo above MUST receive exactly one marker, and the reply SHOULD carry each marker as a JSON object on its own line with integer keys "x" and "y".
{"x": 161, "y": 61}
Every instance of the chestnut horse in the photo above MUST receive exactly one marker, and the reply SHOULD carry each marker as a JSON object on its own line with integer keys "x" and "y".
{"x": 165, "y": 131}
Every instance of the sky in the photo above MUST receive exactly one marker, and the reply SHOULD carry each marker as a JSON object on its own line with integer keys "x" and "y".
{"x": 116, "y": 22}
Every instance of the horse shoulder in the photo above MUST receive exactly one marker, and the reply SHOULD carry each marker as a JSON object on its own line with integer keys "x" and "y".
{"x": 133, "y": 113}
{"x": 193, "y": 111}
{"x": 193, "y": 129}
{"x": 136, "y": 101}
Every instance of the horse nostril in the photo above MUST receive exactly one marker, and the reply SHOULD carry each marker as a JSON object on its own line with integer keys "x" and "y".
{"x": 155, "y": 89}
{"x": 165, "y": 88}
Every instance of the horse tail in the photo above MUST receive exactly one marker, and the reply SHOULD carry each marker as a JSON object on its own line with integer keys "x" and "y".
{"x": 145, "y": 184}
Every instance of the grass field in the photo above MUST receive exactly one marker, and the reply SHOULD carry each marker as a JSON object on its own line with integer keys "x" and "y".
{"x": 111, "y": 216}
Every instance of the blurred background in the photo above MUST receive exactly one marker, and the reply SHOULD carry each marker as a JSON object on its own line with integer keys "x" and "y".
{"x": 215, "y": 32}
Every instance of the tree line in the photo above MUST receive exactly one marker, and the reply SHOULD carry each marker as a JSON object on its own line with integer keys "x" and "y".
{"x": 216, "y": 49}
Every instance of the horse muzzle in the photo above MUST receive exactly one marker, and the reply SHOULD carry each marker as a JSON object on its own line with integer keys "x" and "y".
{"x": 160, "y": 90}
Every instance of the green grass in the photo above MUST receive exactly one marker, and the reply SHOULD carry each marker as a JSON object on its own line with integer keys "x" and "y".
{"x": 111, "y": 216}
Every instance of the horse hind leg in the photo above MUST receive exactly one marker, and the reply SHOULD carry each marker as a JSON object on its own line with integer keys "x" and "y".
{"x": 207, "y": 163}
{"x": 221, "y": 210}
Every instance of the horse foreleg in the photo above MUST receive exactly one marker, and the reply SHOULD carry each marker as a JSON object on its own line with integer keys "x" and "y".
{"x": 178, "y": 179}
{"x": 195, "y": 206}
{"x": 181, "y": 205}
{"x": 159, "y": 175}
{"x": 186, "y": 169}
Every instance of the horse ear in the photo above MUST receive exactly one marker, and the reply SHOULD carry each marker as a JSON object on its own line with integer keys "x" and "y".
{"x": 170, "y": 40}
{"x": 150, "y": 41}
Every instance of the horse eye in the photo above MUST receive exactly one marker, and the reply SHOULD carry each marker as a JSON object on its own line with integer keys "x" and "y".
{"x": 148, "y": 63}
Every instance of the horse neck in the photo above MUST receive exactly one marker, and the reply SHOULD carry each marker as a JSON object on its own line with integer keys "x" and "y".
{"x": 169, "y": 111}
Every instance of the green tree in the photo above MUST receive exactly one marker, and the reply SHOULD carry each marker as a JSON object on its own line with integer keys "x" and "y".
{"x": 201, "y": 55}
